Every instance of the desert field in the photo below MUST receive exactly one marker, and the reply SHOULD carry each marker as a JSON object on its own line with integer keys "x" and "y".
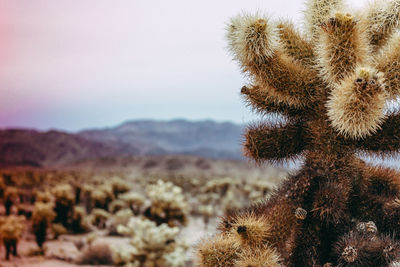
{"x": 129, "y": 211}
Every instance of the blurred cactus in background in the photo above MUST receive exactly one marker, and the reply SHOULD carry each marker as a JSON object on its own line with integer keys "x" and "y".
{"x": 121, "y": 217}
{"x": 133, "y": 200}
{"x": 99, "y": 217}
{"x": 11, "y": 230}
{"x": 331, "y": 83}
{"x": 168, "y": 204}
{"x": 42, "y": 217}
{"x": 44, "y": 197}
{"x": 150, "y": 245}
{"x": 102, "y": 196}
{"x": 78, "y": 220}
{"x": 119, "y": 186}
{"x": 64, "y": 202}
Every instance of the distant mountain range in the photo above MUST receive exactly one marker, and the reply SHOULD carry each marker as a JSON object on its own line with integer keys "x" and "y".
{"x": 21, "y": 147}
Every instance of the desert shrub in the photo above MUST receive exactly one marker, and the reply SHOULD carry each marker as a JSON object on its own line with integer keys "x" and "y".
{"x": 122, "y": 217}
{"x": 150, "y": 245}
{"x": 87, "y": 197}
{"x": 220, "y": 186}
{"x": 42, "y": 217}
{"x": 232, "y": 200}
{"x": 168, "y": 204}
{"x": 77, "y": 190}
{"x": 96, "y": 254}
{"x": 119, "y": 186}
{"x": 99, "y": 218}
{"x": 78, "y": 220}
{"x": 134, "y": 201}
{"x": 102, "y": 196}
{"x": 64, "y": 203}
{"x": 150, "y": 163}
{"x": 202, "y": 164}
{"x": 174, "y": 164}
{"x": 207, "y": 211}
{"x": 11, "y": 230}
{"x": 99, "y": 200}
{"x": 43, "y": 196}
{"x": 116, "y": 205}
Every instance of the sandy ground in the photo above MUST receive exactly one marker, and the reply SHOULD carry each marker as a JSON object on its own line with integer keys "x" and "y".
{"x": 63, "y": 252}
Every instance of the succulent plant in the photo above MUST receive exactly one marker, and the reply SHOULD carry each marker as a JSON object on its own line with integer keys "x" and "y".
{"x": 64, "y": 202}
{"x": 119, "y": 186}
{"x": 99, "y": 218}
{"x": 168, "y": 204}
{"x": 11, "y": 230}
{"x": 79, "y": 220}
{"x": 42, "y": 217}
{"x": 150, "y": 245}
{"x": 133, "y": 200}
{"x": 331, "y": 83}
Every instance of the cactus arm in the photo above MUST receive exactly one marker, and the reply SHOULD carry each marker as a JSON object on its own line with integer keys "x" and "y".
{"x": 382, "y": 21}
{"x": 253, "y": 41}
{"x": 274, "y": 143}
{"x": 341, "y": 48}
{"x": 317, "y": 12}
{"x": 294, "y": 45}
{"x": 388, "y": 62}
{"x": 356, "y": 105}
{"x": 386, "y": 141}
{"x": 261, "y": 101}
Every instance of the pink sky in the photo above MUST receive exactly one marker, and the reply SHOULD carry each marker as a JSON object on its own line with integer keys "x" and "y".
{"x": 93, "y": 63}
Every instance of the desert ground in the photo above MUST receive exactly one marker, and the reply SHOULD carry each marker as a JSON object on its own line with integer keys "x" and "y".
{"x": 132, "y": 211}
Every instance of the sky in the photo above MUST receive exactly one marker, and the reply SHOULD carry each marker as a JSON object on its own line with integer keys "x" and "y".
{"x": 72, "y": 65}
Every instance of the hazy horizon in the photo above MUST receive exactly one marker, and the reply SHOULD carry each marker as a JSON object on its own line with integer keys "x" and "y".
{"x": 118, "y": 124}
{"x": 95, "y": 63}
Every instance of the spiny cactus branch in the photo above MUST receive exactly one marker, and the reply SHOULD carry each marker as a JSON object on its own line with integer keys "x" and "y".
{"x": 269, "y": 142}
{"x": 261, "y": 101}
{"x": 386, "y": 141}
{"x": 254, "y": 43}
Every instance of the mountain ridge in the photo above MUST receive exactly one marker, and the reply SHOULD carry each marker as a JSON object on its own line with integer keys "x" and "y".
{"x": 206, "y": 138}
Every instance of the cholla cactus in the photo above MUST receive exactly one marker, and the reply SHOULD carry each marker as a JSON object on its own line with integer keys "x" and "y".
{"x": 64, "y": 202}
{"x": 11, "y": 230}
{"x": 134, "y": 200}
{"x": 151, "y": 245}
{"x": 168, "y": 204}
{"x": 87, "y": 197}
{"x": 43, "y": 196}
{"x": 79, "y": 221}
{"x": 102, "y": 196}
{"x": 42, "y": 216}
{"x": 99, "y": 218}
{"x": 117, "y": 205}
{"x": 119, "y": 186}
{"x": 331, "y": 83}
{"x": 121, "y": 217}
